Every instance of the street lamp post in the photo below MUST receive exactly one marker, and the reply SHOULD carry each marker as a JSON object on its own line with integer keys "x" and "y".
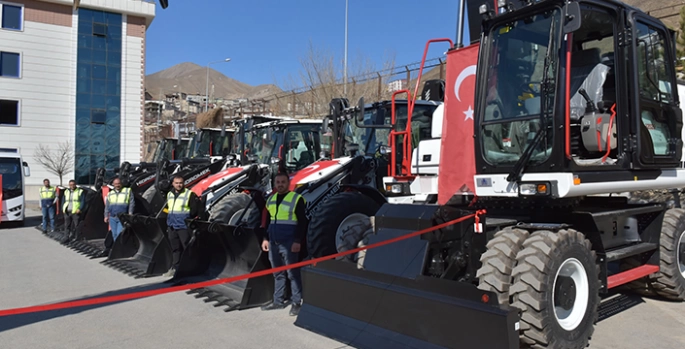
{"x": 345, "y": 60}
{"x": 207, "y": 87}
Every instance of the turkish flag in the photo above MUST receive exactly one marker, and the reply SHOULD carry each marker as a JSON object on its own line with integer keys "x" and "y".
{"x": 457, "y": 158}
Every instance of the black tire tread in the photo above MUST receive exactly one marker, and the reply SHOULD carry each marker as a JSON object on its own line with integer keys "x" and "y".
{"x": 668, "y": 282}
{"x": 530, "y": 293}
{"x": 499, "y": 260}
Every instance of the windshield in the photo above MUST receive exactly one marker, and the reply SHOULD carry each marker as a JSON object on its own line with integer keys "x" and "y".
{"x": 303, "y": 146}
{"x": 10, "y": 170}
{"x": 515, "y": 74}
{"x": 264, "y": 147}
{"x": 219, "y": 145}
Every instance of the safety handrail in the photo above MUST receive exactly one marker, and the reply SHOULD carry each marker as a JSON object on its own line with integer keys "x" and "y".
{"x": 411, "y": 102}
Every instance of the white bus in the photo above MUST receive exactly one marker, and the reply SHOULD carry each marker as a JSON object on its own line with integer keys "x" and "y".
{"x": 13, "y": 170}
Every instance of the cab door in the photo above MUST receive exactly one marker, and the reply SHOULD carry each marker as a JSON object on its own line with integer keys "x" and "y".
{"x": 655, "y": 104}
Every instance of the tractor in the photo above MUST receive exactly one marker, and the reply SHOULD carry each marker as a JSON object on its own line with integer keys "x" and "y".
{"x": 574, "y": 100}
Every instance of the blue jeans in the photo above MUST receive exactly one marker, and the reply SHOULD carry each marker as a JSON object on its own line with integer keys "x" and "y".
{"x": 116, "y": 227}
{"x": 48, "y": 212}
{"x": 280, "y": 254}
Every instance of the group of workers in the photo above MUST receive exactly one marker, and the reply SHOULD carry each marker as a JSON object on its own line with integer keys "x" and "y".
{"x": 284, "y": 225}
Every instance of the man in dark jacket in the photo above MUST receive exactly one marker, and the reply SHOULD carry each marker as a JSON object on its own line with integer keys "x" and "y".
{"x": 285, "y": 215}
{"x": 181, "y": 204}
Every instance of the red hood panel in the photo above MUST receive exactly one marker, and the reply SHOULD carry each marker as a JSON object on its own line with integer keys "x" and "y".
{"x": 200, "y": 187}
{"x": 300, "y": 175}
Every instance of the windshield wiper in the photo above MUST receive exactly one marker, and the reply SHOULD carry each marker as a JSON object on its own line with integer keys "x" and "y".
{"x": 546, "y": 87}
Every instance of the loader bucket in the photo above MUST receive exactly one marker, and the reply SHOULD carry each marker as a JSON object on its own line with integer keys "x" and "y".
{"x": 219, "y": 251}
{"x": 92, "y": 229}
{"x": 142, "y": 249}
{"x": 392, "y": 304}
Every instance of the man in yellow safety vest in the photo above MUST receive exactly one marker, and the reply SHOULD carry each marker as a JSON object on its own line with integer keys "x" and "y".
{"x": 74, "y": 202}
{"x": 119, "y": 200}
{"x": 287, "y": 229}
{"x": 48, "y": 199}
{"x": 181, "y": 204}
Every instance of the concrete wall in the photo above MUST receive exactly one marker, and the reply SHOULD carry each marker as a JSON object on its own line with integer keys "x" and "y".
{"x": 46, "y": 87}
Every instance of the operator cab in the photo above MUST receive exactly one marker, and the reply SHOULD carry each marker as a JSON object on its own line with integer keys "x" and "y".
{"x": 290, "y": 144}
{"x": 588, "y": 97}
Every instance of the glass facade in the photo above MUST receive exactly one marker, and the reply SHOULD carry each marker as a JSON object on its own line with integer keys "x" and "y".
{"x": 98, "y": 93}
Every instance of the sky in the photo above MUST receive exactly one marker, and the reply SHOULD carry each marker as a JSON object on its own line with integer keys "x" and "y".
{"x": 266, "y": 39}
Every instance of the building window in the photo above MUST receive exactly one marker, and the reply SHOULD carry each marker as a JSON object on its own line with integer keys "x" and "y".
{"x": 99, "y": 29}
{"x": 12, "y": 16}
{"x": 9, "y": 112}
{"x": 9, "y": 64}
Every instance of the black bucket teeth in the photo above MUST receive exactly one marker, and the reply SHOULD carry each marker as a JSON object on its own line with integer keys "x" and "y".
{"x": 217, "y": 298}
{"x": 142, "y": 249}
{"x": 221, "y": 252}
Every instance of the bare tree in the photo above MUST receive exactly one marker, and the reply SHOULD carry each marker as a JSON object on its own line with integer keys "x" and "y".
{"x": 321, "y": 74}
{"x": 58, "y": 162}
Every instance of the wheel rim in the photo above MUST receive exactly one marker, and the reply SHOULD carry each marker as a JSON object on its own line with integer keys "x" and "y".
{"x": 680, "y": 254}
{"x": 236, "y": 216}
{"x": 348, "y": 230}
{"x": 571, "y": 293}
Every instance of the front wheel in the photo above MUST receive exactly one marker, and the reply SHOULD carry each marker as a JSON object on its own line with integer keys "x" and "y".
{"x": 340, "y": 224}
{"x": 556, "y": 285}
{"x": 669, "y": 282}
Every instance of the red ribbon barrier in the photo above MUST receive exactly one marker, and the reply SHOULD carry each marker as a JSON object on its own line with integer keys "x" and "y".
{"x": 143, "y": 294}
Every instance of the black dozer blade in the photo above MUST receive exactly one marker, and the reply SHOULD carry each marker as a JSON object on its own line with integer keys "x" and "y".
{"x": 389, "y": 304}
{"x": 219, "y": 251}
{"x": 142, "y": 249}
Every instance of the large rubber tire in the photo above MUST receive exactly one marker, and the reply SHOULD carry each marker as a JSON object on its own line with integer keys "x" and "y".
{"x": 228, "y": 206}
{"x": 326, "y": 219}
{"x": 499, "y": 260}
{"x": 669, "y": 282}
{"x": 534, "y": 290}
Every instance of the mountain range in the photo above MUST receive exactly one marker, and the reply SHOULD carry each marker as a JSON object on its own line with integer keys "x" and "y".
{"x": 191, "y": 78}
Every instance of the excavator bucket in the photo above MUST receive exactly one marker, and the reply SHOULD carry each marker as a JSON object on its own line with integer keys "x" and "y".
{"x": 142, "y": 249}
{"x": 219, "y": 251}
{"x": 368, "y": 308}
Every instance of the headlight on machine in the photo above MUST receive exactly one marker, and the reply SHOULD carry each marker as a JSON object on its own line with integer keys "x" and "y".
{"x": 534, "y": 189}
{"x": 394, "y": 188}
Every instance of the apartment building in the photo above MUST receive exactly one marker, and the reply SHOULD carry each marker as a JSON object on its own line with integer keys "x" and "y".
{"x": 73, "y": 71}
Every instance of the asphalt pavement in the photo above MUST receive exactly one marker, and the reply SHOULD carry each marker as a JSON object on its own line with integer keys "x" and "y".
{"x": 37, "y": 270}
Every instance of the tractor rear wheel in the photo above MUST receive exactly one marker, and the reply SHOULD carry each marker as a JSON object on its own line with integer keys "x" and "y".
{"x": 556, "y": 286}
{"x": 224, "y": 210}
{"x": 498, "y": 261}
{"x": 344, "y": 216}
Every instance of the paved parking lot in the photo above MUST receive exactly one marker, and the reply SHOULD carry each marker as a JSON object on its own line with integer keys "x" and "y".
{"x": 37, "y": 270}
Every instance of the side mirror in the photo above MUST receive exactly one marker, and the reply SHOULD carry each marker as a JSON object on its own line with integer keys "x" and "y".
{"x": 572, "y": 19}
{"x": 27, "y": 170}
{"x": 360, "y": 110}
{"x": 324, "y": 125}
